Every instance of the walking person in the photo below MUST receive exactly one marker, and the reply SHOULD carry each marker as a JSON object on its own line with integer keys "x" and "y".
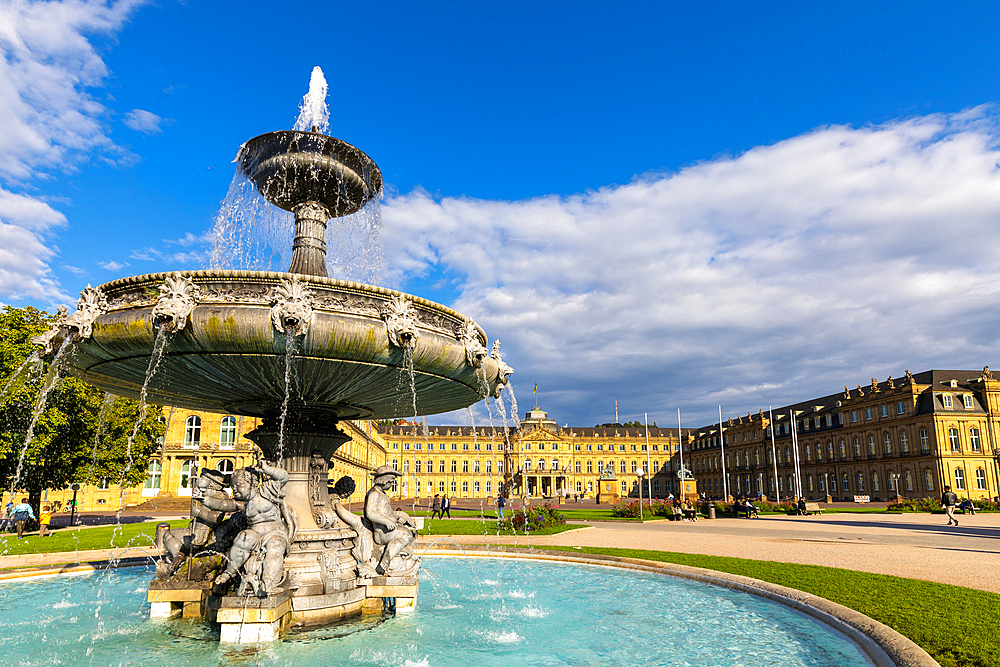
{"x": 948, "y": 502}
{"x": 44, "y": 519}
{"x": 501, "y": 503}
{"x": 8, "y": 516}
{"x": 445, "y": 506}
{"x": 22, "y": 512}
{"x": 436, "y": 506}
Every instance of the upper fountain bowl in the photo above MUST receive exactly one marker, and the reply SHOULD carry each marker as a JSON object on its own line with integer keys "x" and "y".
{"x": 291, "y": 167}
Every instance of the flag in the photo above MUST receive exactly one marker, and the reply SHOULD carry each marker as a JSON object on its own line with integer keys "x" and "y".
{"x": 536, "y": 389}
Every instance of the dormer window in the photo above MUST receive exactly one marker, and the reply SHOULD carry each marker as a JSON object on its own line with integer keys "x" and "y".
{"x": 954, "y": 384}
{"x": 968, "y": 401}
{"x": 946, "y": 398}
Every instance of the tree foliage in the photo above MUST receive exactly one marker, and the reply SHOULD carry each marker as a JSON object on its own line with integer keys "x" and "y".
{"x": 74, "y": 439}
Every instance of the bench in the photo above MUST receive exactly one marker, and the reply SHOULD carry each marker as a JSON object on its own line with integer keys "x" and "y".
{"x": 813, "y": 508}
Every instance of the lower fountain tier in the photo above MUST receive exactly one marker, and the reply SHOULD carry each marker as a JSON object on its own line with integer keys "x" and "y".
{"x": 229, "y": 357}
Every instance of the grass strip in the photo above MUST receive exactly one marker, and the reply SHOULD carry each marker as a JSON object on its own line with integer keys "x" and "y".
{"x": 956, "y": 625}
{"x": 69, "y": 540}
{"x": 466, "y": 527}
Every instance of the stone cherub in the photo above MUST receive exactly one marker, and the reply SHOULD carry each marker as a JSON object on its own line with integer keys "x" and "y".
{"x": 385, "y": 537}
{"x": 207, "y": 531}
{"x": 258, "y": 553}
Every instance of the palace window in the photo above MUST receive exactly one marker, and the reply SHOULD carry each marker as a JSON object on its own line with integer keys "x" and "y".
{"x": 968, "y": 401}
{"x": 475, "y": 466}
{"x": 833, "y": 483}
{"x": 489, "y": 467}
{"x": 883, "y": 410}
{"x": 454, "y": 486}
{"x": 192, "y": 431}
{"x": 475, "y": 486}
{"x": 819, "y": 482}
{"x": 476, "y": 446}
{"x": 227, "y": 433}
{"x": 622, "y": 467}
{"x": 845, "y": 480}
{"x": 900, "y": 408}
{"x": 947, "y": 400}
{"x": 633, "y": 448}
{"x": 860, "y": 487}
{"x": 454, "y": 466}
{"x": 980, "y": 479}
{"x": 406, "y": 466}
{"x": 590, "y": 448}
{"x": 928, "y": 480}
{"x": 904, "y": 443}
{"x": 395, "y": 464}
{"x": 908, "y": 480}
{"x": 590, "y": 466}
{"x": 854, "y": 416}
{"x": 186, "y": 474}
{"x": 153, "y": 474}
{"x": 465, "y": 465}
{"x": 465, "y": 446}
{"x": 843, "y": 453}
{"x": 953, "y": 440}
{"x": 406, "y": 445}
{"x": 871, "y": 446}
{"x": 579, "y": 486}
{"x": 430, "y": 466}
{"x": 875, "y": 485}
{"x": 829, "y": 420}
{"x": 465, "y": 487}
{"x": 555, "y": 464}
{"x": 809, "y": 483}
{"x": 829, "y": 450}
{"x": 541, "y": 464}
{"x": 924, "y": 441}
{"x": 440, "y": 487}
{"x": 541, "y": 446}
{"x": 868, "y": 414}
{"x": 887, "y": 443}
{"x": 489, "y": 486}
{"x": 417, "y": 467}
{"x": 857, "y": 449}
{"x": 959, "y": 479}
{"x": 576, "y": 468}
{"x": 454, "y": 448}
{"x": 974, "y": 441}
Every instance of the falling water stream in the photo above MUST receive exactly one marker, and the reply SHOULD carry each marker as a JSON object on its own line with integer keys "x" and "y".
{"x": 27, "y": 372}
{"x": 291, "y": 347}
{"x": 43, "y": 395}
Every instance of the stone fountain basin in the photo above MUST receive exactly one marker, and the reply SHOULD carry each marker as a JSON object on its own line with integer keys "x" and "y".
{"x": 230, "y": 358}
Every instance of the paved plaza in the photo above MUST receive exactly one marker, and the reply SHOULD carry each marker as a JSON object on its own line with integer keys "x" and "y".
{"x": 914, "y": 546}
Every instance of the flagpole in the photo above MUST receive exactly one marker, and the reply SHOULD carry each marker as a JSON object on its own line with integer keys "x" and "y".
{"x": 616, "y": 411}
{"x": 774, "y": 453}
{"x": 722, "y": 445}
{"x": 795, "y": 453}
{"x": 680, "y": 445}
{"x": 649, "y": 468}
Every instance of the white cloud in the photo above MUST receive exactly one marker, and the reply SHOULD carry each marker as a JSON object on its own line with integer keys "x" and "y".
{"x": 143, "y": 121}
{"x": 75, "y": 270}
{"x": 774, "y": 276}
{"x": 112, "y": 265}
{"x": 48, "y": 121}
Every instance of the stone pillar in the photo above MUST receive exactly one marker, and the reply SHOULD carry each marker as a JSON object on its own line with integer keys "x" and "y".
{"x": 309, "y": 246}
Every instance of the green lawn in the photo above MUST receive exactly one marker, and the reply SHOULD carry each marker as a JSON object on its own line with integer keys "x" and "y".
{"x": 65, "y": 539}
{"x": 956, "y": 625}
{"x": 488, "y": 527}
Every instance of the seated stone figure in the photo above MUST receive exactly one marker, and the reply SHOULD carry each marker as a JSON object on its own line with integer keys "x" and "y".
{"x": 385, "y": 536}
{"x": 207, "y": 531}
{"x": 258, "y": 553}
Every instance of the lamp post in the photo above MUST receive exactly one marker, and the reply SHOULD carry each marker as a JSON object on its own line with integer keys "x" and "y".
{"x": 640, "y": 472}
{"x": 72, "y": 510}
{"x": 894, "y": 476}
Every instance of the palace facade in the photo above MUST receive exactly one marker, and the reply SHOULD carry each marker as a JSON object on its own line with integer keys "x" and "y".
{"x": 909, "y": 437}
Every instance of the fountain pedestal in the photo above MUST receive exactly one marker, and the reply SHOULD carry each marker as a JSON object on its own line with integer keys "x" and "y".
{"x": 248, "y": 620}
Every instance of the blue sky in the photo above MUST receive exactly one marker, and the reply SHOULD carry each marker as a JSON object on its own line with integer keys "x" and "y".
{"x": 671, "y": 204}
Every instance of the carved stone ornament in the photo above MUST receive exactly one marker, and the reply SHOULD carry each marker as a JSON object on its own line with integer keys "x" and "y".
{"x": 400, "y": 322}
{"x": 503, "y": 370}
{"x": 909, "y": 377}
{"x": 47, "y": 340}
{"x": 292, "y": 311}
{"x": 178, "y": 297}
{"x": 319, "y": 495}
{"x": 890, "y": 383}
{"x": 875, "y": 387}
{"x": 475, "y": 352}
{"x": 861, "y": 391}
{"x": 987, "y": 373}
{"x": 847, "y": 392}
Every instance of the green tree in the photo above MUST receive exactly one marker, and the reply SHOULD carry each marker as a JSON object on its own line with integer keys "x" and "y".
{"x": 72, "y": 441}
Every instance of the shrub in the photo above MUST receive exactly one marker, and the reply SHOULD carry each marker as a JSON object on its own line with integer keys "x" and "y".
{"x": 535, "y": 518}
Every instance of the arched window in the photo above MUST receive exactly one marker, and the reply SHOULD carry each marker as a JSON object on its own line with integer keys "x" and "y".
{"x": 928, "y": 480}
{"x": 843, "y": 452}
{"x": 846, "y": 480}
{"x": 959, "y": 479}
{"x": 974, "y": 440}
{"x": 875, "y": 481}
{"x": 192, "y": 431}
{"x": 395, "y": 464}
{"x": 541, "y": 464}
{"x": 227, "y": 433}
{"x": 153, "y": 473}
{"x": 225, "y": 466}
{"x": 904, "y": 443}
{"x": 465, "y": 465}
{"x": 576, "y": 467}
{"x": 186, "y": 474}
{"x": 489, "y": 467}
{"x": 590, "y": 466}
{"x": 857, "y": 449}
{"x": 924, "y": 443}
{"x": 860, "y": 487}
{"x": 634, "y": 467}
{"x": 475, "y": 466}
{"x": 953, "y": 440}
{"x": 908, "y": 480}
{"x": 555, "y": 464}
{"x": 871, "y": 446}
{"x": 623, "y": 467}
{"x": 418, "y": 467}
{"x": 406, "y": 466}
{"x": 829, "y": 451}
{"x": 887, "y": 443}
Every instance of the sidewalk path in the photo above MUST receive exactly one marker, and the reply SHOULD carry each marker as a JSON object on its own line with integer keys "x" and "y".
{"x": 913, "y": 546}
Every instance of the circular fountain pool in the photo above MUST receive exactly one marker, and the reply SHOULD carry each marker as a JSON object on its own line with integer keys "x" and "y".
{"x": 470, "y": 612}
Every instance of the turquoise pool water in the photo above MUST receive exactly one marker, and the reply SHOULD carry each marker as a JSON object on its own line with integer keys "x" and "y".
{"x": 471, "y": 612}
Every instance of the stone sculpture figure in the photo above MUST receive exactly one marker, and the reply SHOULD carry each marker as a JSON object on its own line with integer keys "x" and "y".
{"x": 206, "y": 531}
{"x": 385, "y": 536}
{"x": 258, "y": 553}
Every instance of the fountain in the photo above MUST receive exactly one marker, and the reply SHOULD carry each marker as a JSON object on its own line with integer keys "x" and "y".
{"x": 235, "y": 337}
